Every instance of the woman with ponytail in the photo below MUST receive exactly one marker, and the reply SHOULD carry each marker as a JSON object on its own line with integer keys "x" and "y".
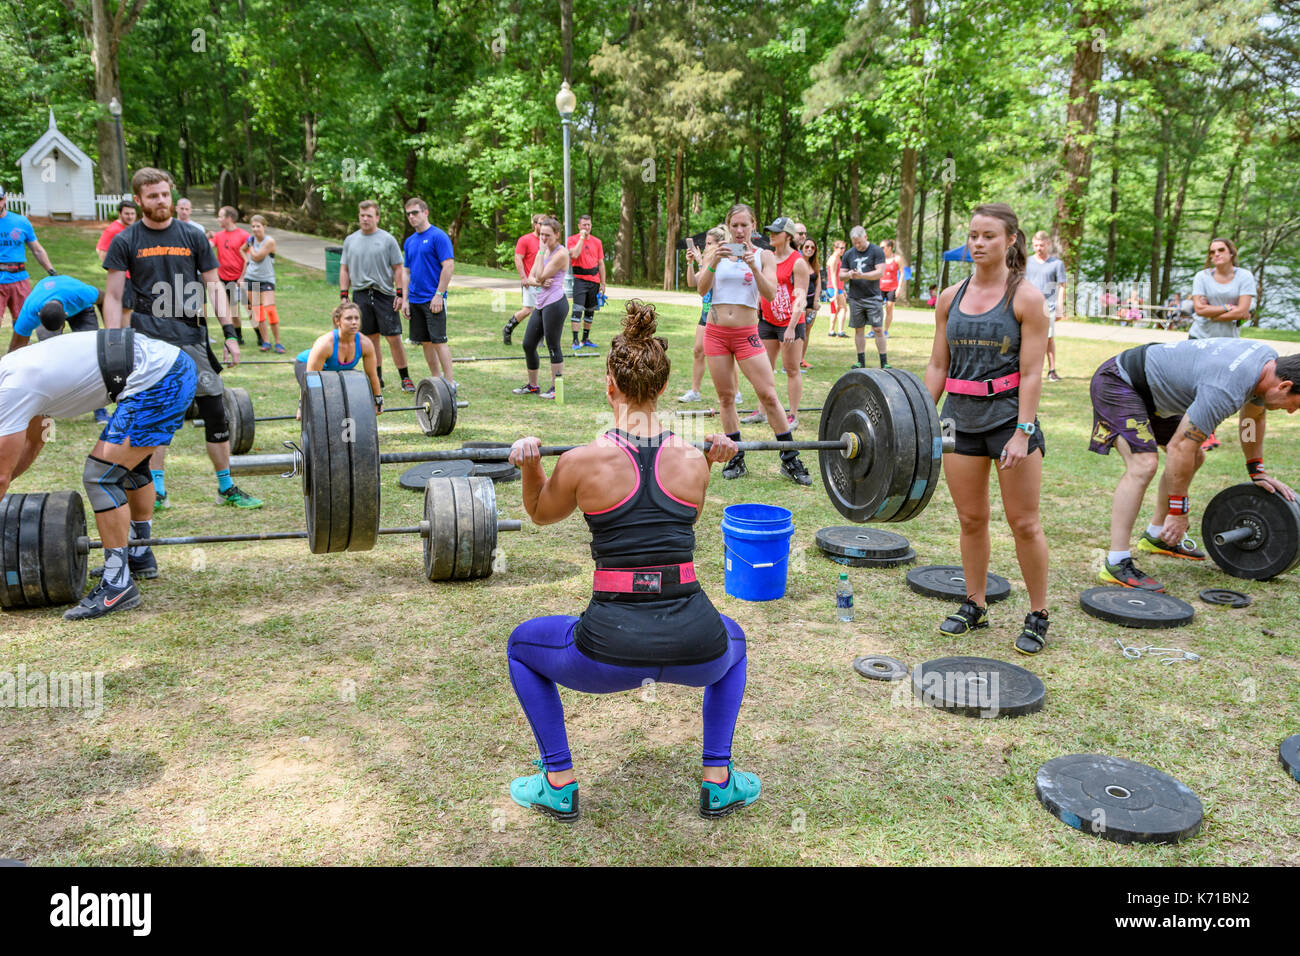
{"x": 990, "y": 336}
{"x": 641, "y": 489}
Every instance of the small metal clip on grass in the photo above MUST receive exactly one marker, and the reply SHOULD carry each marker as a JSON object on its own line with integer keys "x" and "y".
{"x": 1135, "y": 652}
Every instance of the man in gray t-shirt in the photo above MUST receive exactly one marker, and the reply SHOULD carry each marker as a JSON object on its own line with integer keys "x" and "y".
{"x": 1046, "y": 273}
{"x": 1175, "y": 395}
{"x": 372, "y": 268}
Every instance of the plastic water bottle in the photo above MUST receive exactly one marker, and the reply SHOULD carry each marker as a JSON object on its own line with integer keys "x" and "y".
{"x": 559, "y": 389}
{"x": 844, "y": 599}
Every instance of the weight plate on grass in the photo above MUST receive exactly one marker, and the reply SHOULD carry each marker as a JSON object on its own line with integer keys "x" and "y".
{"x": 947, "y": 581}
{"x": 11, "y": 585}
{"x": 1274, "y": 546}
{"x": 435, "y": 406}
{"x": 870, "y": 405}
{"x": 1132, "y": 607}
{"x": 362, "y": 427}
{"x": 1118, "y": 800}
{"x": 1289, "y": 754}
{"x": 63, "y": 569}
{"x": 907, "y": 557}
{"x": 416, "y": 478}
{"x": 29, "y": 549}
{"x": 1225, "y": 597}
{"x": 240, "y": 419}
{"x": 496, "y": 470}
{"x": 880, "y": 667}
{"x": 851, "y": 541}
{"x": 978, "y": 687}
{"x": 929, "y": 445}
{"x": 315, "y": 464}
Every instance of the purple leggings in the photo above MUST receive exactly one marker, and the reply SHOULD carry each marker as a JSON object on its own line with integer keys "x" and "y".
{"x": 541, "y": 654}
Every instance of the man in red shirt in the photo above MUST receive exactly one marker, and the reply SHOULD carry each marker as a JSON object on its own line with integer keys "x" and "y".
{"x": 228, "y": 240}
{"x": 125, "y": 216}
{"x": 587, "y": 256}
{"x": 525, "y": 253}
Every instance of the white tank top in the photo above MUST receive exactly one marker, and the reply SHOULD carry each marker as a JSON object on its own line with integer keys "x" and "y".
{"x": 734, "y": 284}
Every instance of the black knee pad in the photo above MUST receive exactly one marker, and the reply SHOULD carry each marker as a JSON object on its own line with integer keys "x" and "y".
{"x": 213, "y": 411}
{"x": 103, "y": 481}
{"x": 139, "y": 476}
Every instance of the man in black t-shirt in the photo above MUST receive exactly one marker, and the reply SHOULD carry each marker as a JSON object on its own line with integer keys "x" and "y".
{"x": 861, "y": 267}
{"x": 172, "y": 267}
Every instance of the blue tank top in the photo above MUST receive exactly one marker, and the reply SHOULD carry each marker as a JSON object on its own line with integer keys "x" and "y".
{"x": 982, "y": 347}
{"x": 332, "y": 364}
{"x": 671, "y": 622}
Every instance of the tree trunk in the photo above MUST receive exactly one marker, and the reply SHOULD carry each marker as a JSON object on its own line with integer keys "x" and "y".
{"x": 1112, "y": 229}
{"x": 1080, "y": 125}
{"x": 103, "y": 55}
{"x": 1175, "y": 224}
{"x": 458, "y": 223}
{"x": 758, "y": 168}
{"x": 652, "y": 244}
{"x": 311, "y": 202}
{"x": 674, "y": 219}
{"x": 566, "y": 40}
{"x": 626, "y": 225}
{"x": 919, "y": 257}
{"x": 855, "y": 188}
{"x": 1242, "y": 143}
{"x": 947, "y": 225}
{"x": 1158, "y": 203}
{"x": 907, "y": 174}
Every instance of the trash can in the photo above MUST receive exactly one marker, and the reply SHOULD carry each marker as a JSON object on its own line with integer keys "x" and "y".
{"x": 333, "y": 258}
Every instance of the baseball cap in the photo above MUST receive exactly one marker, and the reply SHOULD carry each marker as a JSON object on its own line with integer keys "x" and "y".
{"x": 782, "y": 224}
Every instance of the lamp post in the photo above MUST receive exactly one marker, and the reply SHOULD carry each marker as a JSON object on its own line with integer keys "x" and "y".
{"x": 115, "y": 108}
{"x": 566, "y": 102}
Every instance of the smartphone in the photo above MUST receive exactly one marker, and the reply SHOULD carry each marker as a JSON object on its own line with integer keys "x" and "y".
{"x": 735, "y": 248}
{"x": 690, "y": 243}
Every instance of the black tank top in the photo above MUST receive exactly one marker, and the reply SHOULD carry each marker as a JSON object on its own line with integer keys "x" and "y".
{"x": 982, "y": 347}
{"x": 671, "y": 622}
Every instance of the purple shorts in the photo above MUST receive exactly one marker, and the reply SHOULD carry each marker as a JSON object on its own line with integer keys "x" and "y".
{"x": 1118, "y": 411}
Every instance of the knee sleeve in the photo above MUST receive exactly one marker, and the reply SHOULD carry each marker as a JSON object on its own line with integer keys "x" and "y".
{"x": 213, "y": 411}
{"x": 103, "y": 481}
{"x": 272, "y": 316}
{"x": 139, "y": 476}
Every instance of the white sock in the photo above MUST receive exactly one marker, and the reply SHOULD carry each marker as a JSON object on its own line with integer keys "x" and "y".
{"x": 1115, "y": 557}
{"x": 1154, "y": 530}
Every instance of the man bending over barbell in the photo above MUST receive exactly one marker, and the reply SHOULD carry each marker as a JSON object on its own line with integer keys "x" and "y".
{"x": 1175, "y": 395}
{"x": 153, "y": 384}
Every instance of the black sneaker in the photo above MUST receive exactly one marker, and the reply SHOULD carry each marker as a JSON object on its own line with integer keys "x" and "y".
{"x": 795, "y": 471}
{"x": 506, "y": 331}
{"x": 736, "y": 467}
{"x": 104, "y": 600}
{"x": 969, "y": 617}
{"x": 144, "y": 567}
{"x": 1034, "y": 637}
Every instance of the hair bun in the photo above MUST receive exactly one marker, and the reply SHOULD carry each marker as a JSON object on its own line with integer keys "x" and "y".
{"x": 640, "y": 321}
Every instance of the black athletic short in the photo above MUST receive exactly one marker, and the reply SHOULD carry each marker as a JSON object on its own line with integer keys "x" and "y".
{"x": 378, "y": 317}
{"x": 427, "y": 325}
{"x": 766, "y": 330}
{"x": 891, "y": 295}
{"x": 989, "y": 444}
{"x": 584, "y": 295}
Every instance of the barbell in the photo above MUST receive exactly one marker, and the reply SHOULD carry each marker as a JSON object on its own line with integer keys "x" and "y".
{"x": 879, "y": 443}
{"x": 715, "y": 412}
{"x": 463, "y": 358}
{"x": 44, "y": 545}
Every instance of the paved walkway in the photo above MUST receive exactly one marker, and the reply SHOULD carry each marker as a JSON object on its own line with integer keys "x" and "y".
{"x": 310, "y": 251}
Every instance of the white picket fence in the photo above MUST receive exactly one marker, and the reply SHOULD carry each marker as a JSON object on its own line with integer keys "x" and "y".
{"x": 105, "y": 205}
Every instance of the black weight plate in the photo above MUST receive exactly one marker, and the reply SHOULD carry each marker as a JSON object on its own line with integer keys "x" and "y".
{"x": 337, "y": 433}
{"x": 902, "y": 430}
{"x": 907, "y": 557}
{"x": 363, "y": 451}
{"x": 485, "y": 525}
{"x": 427, "y": 405}
{"x": 416, "y": 478}
{"x": 440, "y": 544}
{"x": 879, "y": 667}
{"x": 1132, "y": 607}
{"x": 64, "y": 521}
{"x": 857, "y": 487}
{"x": 11, "y": 585}
{"x": 1289, "y": 755}
{"x": 466, "y": 529}
{"x": 496, "y": 470}
{"x": 1225, "y": 597}
{"x": 978, "y": 687}
{"x": 852, "y": 541}
{"x": 29, "y": 550}
{"x": 1275, "y": 547}
{"x": 316, "y": 465}
{"x": 929, "y": 445}
{"x": 240, "y": 418}
{"x": 1118, "y": 800}
{"x": 946, "y": 581}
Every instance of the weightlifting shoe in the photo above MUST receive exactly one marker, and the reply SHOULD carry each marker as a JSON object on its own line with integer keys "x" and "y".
{"x": 795, "y": 471}
{"x": 506, "y": 331}
{"x": 239, "y": 499}
{"x": 526, "y": 389}
{"x": 104, "y": 600}
{"x": 691, "y": 395}
{"x": 589, "y": 344}
{"x": 536, "y": 793}
{"x": 160, "y": 501}
{"x": 736, "y": 467}
{"x": 1126, "y": 575}
{"x": 969, "y": 617}
{"x": 1034, "y": 637}
{"x": 720, "y": 799}
{"x": 754, "y": 417}
{"x": 1210, "y": 444}
{"x": 408, "y": 385}
{"x": 1184, "y": 549}
{"x": 144, "y": 567}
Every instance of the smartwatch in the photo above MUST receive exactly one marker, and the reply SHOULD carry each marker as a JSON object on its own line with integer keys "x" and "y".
{"x": 1027, "y": 427}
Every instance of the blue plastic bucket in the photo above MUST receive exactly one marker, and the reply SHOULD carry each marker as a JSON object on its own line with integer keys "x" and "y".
{"x": 756, "y": 542}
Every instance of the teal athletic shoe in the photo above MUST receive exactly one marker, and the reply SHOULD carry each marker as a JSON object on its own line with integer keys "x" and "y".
{"x": 536, "y": 792}
{"x": 240, "y": 499}
{"x": 741, "y": 790}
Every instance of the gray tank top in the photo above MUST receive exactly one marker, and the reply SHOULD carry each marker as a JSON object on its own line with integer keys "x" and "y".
{"x": 263, "y": 271}
{"x": 982, "y": 347}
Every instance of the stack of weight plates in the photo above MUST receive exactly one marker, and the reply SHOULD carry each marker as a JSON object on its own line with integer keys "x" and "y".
{"x": 861, "y": 547}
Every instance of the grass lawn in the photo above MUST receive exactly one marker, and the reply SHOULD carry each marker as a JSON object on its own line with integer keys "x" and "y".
{"x": 270, "y": 706}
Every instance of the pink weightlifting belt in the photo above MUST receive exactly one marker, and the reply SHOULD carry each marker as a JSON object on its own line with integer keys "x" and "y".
{"x": 652, "y": 580}
{"x": 985, "y": 389}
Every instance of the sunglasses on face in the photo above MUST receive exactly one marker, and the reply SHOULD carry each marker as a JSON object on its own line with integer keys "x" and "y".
{"x": 412, "y": 212}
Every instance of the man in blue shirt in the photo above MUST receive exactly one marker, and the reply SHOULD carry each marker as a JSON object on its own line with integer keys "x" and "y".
{"x": 430, "y": 263}
{"x": 16, "y": 233}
